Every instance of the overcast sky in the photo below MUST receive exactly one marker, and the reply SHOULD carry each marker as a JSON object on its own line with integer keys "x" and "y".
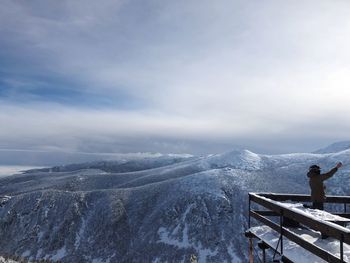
{"x": 174, "y": 76}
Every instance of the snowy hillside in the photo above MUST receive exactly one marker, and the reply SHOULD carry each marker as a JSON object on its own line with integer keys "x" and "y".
{"x": 161, "y": 210}
{"x": 335, "y": 147}
{"x": 3, "y": 260}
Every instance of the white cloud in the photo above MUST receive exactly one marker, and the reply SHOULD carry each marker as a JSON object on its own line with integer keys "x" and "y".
{"x": 225, "y": 70}
{"x": 48, "y": 127}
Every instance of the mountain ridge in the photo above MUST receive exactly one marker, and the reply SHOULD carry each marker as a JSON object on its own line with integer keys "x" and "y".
{"x": 335, "y": 147}
{"x": 166, "y": 213}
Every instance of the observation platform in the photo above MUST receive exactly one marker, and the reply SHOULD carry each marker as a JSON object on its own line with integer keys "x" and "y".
{"x": 286, "y": 226}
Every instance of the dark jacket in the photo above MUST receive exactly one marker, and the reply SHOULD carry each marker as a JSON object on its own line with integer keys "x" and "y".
{"x": 316, "y": 183}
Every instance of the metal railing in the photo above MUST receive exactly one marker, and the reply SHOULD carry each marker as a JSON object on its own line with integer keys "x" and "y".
{"x": 273, "y": 208}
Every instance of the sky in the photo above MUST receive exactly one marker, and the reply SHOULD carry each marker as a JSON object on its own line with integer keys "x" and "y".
{"x": 185, "y": 76}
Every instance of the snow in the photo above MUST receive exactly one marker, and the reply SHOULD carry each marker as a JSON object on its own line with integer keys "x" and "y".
{"x": 7, "y": 170}
{"x": 241, "y": 159}
{"x": 320, "y": 215}
{"x": 46, "y": 212}
{"x": 4, "y": 199}
{"x": 231, "y": 251}
{"x": 335, "y": 147}
{"x": 208, "y": 182}
{"x": 26, "y": 253}
{"x": 166, "y": 238}
{"x": 317, "y": 214}
{"x": 296, "y": 253}
{"x": 80, "y": 233}
{"x": 99, "y": 260}
{"x": 222, "y": 180}
{"x": 60, "y": 254}
{"x": 203, "y": 253}
{"x": 41, "y": 235}
{"x": 39, "y": 253}
{"x": 86, "y": 172}
{"x": 3, "y": 260}
{"x": 293, "y": 251}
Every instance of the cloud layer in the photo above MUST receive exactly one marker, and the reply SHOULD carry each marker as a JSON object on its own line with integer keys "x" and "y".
{"x": 189, "y": 76}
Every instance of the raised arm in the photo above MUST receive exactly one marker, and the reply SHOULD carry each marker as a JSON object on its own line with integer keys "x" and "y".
{"x": 328, "y": 175}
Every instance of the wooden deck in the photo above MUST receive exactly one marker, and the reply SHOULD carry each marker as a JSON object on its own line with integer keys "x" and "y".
{"x": 271, "y": 210}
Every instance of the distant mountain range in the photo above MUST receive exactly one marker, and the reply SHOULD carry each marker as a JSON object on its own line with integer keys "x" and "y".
{"x": 161, "y": 209}
{"x": 335, "y": 147}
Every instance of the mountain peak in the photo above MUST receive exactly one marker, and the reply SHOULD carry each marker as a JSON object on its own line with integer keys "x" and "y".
{"x": 243, "y": 159}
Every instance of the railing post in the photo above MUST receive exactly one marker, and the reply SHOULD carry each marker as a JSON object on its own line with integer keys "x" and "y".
{"x": 344, "y": 208}
{"x": 264, "y": 256}
{"x": 251, "y": 256}
{"x": 341, "y": 247}
{"x": 263, "y": 246}
{"x": 249, "y": 212}
{"x": 281, "y": 229}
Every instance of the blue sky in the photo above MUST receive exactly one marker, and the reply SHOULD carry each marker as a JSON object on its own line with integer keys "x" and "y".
{"x": 174, "y": 76}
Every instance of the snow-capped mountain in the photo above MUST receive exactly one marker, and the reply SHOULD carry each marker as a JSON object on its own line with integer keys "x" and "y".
{"x": 164, "y": 209}
{"x": 335, "y": 147}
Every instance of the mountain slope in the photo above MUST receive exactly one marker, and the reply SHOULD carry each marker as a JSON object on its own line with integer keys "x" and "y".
{"x": 335, "y": 147}
{"x": 165, "y": 213}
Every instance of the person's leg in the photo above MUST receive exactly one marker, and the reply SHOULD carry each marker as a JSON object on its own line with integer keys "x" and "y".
{"x": 318, "y": 205}
{"x": 321, "y": 206}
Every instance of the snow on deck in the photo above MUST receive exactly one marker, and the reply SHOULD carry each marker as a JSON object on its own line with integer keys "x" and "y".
{"x": 293, "y": 251}
{"x": 296, "y": 253}
{"x": 315, "y": 213}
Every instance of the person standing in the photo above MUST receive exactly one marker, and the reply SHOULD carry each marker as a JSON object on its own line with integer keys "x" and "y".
{"x": 316, "y": 179}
